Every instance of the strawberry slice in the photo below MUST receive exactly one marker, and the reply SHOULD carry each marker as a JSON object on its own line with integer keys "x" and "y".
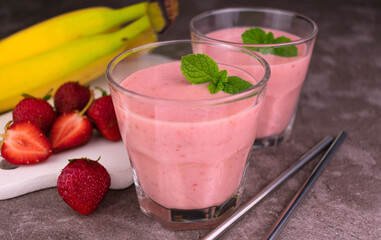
{"x": 24, "y": 143}
{"x": 71, "y": 129}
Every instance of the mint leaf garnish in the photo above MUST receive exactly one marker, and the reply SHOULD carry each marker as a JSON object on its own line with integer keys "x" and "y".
{"x": 236, "y": 84}
{"x": 222, "y": 76}
{"x": 259, "y": 36}
{"x": 290, "y": 51}
{"x": 215, "y": 88}
{"x": 200, "y": 68}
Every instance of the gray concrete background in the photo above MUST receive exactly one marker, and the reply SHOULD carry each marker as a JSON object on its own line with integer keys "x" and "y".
{"x": 342, "y": 92}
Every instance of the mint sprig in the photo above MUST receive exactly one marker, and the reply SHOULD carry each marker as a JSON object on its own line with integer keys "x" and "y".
{"x": 200, "y": 68}
{"x": 259, "y": 36}
{"x": 235, "y": 85}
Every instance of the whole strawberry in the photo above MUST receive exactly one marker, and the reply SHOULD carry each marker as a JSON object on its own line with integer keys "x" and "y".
{"x": 83, "y": 184}
{"x": 36, "y": 110}
{"x": 102, "y": 113}
{"x": 71, "y": 96}
{"x": 24, "y": 143}
{"x": 71, "y": 130}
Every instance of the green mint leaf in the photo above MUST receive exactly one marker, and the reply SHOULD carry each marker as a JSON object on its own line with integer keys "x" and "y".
{"x": 215, "y": 87}
{"x": 266, "y": 50}
{"x": 222, "y": 76}
{"x": 218, "y": 83}
{"x": 235, "y": 85}
{"x": 290, "y": 51}
{"x": 199, "y": 68}
{"x": 282, "y": 39}
{"x": 259, "y": 36}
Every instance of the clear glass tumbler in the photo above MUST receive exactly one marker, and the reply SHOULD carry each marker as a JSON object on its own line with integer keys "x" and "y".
{"x": 287, "y": 72}
{"x": 188, "y": 148}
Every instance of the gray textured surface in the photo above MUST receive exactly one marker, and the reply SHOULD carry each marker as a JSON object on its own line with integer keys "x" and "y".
{"x": 341, "y": 92}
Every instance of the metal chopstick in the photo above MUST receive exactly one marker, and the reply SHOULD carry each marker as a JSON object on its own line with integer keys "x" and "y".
{"x": 304, "y": 189}
{"x": 275, "y": 183}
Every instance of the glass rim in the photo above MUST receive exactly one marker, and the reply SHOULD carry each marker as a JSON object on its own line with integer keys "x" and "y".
{"x": 230, "y": 98}
{"x": 302, "y": 40}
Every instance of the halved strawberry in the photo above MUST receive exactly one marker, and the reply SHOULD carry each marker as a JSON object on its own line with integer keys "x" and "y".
{"x": 24, "y": 143}
{"x": 71, "y": 130}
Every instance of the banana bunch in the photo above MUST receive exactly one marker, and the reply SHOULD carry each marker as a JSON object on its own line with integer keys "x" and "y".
{"x": 76, "y": 46}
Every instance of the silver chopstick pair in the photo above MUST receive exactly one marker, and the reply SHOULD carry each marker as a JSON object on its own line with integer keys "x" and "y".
{"x": 327, "y": 141}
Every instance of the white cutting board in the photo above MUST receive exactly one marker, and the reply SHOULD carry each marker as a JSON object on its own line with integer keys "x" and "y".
{"x": 26, "y": 179}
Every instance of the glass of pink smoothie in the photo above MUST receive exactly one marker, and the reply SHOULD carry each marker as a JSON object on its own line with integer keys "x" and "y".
{"x": 287, "y": 72}
{"x": 188, "y": 148}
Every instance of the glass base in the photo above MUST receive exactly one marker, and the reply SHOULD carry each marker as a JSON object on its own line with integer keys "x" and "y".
{"x": 271, "y": 141}
{"x": 184, "y": 219}
{"x": 180, "y": 219}
{"x": 274, "y": 140}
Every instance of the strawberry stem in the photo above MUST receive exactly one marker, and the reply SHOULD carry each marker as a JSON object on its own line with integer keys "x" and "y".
{"x": 7, "y": 125}
{"x": 48, "y": 95}
{"x": 26, "y": 95}
{"x": 104, "y": 93}
{"x": 88, "y": 104}
{"x": 84, "y": 158}
{"x": 3, "y": 135}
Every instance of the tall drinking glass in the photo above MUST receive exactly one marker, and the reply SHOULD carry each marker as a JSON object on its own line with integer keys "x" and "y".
{"x": 188, "y": 148}
{"x": 288, "y": 71}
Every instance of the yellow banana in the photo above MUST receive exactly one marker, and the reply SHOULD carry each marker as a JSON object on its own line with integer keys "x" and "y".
{"x": 65, "y": 28}
{"x": 80, "y": 60}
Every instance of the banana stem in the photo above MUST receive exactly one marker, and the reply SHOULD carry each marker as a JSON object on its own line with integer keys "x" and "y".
{"x": 133, "y": 12}
{"x": 133, "y": 29}
{"x": 157, "y": 16}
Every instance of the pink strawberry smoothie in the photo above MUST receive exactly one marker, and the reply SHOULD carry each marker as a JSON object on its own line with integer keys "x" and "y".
{"x": 284, "y": 85}
{"x": 186, "y": 156}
